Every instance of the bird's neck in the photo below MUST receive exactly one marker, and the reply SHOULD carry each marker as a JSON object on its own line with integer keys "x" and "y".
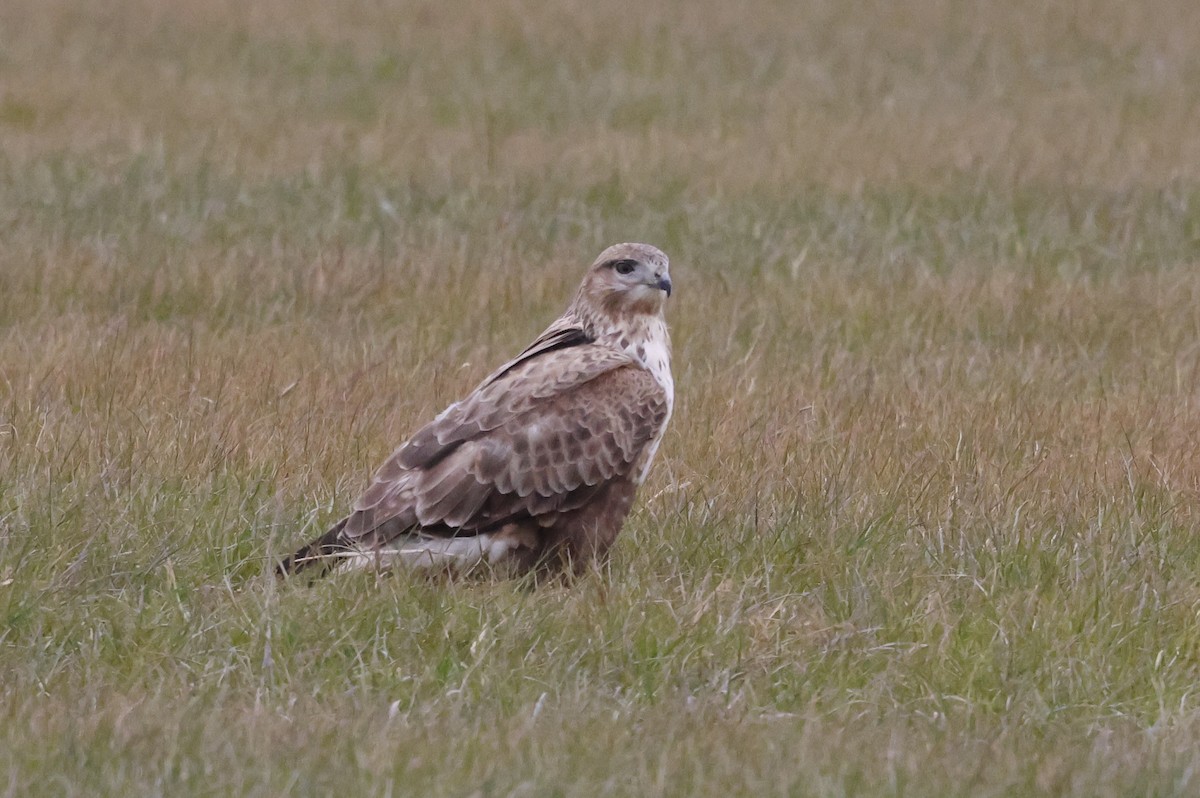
{"x": 643, "y": 337}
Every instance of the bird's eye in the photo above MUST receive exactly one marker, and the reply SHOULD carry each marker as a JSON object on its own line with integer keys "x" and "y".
{"x": 625, "y": 266}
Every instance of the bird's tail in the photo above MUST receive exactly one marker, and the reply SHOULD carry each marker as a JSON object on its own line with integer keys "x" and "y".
{"x": 317, "y": 558}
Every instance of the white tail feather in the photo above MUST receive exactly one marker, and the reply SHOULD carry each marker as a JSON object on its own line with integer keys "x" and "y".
{"x": 421, "y": 552}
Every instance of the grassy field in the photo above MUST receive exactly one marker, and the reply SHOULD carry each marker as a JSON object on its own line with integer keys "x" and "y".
{"x": 926, "y": 519}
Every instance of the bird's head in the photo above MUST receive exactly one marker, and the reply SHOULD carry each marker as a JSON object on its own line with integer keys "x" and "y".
{"x": 628, "y": 279}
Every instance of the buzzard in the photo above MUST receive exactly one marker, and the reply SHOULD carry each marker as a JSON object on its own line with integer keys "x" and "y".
{"x": 536, "y": 469}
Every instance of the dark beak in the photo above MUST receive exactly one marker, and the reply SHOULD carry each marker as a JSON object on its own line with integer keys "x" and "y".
{"x": 664, "y": 284}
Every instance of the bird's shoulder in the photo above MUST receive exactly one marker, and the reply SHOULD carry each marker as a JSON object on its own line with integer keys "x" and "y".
{"x": 553, "y": 368}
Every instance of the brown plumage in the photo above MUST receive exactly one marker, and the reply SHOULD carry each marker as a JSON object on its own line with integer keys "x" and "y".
{"x": 536, "y": 469}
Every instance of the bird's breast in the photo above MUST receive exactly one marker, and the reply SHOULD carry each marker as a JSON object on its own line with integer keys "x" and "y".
{"x": 650, "y": 345}
{"x": 655, "y": 354}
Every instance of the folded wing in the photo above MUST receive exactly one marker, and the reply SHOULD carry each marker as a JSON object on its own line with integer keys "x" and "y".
{"x": 537, "y": 439}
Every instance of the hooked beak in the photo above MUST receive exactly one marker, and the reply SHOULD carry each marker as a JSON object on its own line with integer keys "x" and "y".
{"x": 664, "y": 284}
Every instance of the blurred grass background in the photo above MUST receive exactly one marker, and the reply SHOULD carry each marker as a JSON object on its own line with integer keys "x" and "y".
{"x": 924, "y": 523}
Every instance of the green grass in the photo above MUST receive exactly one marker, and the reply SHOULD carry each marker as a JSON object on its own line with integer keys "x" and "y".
{"x": 925, "y": 520}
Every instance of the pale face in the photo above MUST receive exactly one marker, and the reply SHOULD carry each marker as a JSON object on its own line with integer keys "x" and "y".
{"x": 632, "y": 278}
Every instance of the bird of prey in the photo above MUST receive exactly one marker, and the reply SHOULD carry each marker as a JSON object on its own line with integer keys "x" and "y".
{"x": 536, "y": 469}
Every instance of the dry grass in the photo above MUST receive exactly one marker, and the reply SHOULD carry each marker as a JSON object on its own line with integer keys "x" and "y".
{"x": 925, "y": 523}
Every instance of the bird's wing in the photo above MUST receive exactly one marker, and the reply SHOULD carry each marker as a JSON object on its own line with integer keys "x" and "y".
{"x": 538, "y": 438}
{"x": 528, "y": 380}
{"x": 562, "y": 334}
